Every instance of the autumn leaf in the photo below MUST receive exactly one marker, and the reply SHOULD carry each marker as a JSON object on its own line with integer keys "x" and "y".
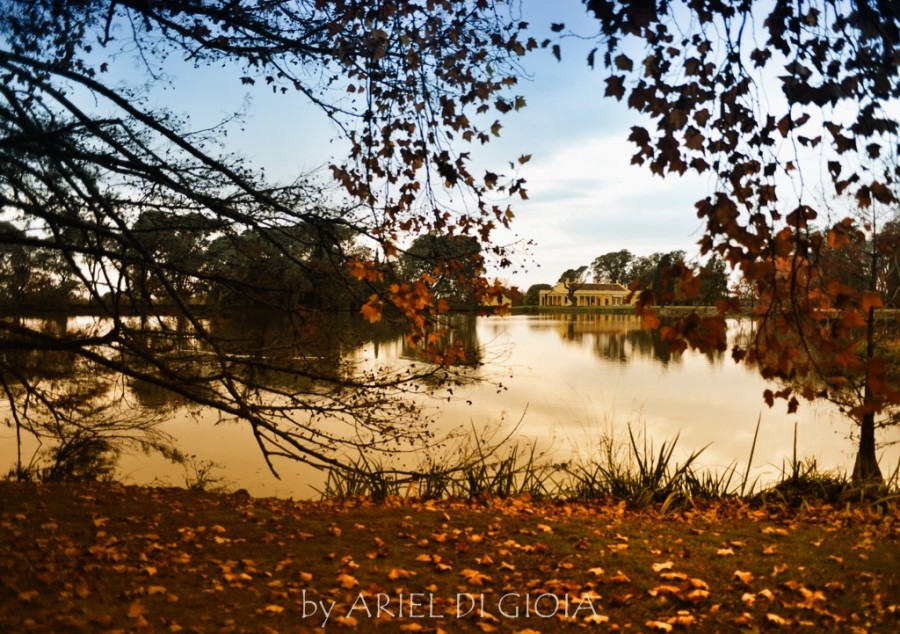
{"x": 136, "y": 610}
{"x": 697, "y": 594}
{"x": 776, "y": 620}
{"x": 700, "y": 584}
{"x": 743, "y": 576}
{"x": 347, "y": 581}
{"x": 474, "y": 577}
{"x": 683, "y": 618}
{"x": 668, "y": 565}
{"x": 871, "y": 299}
{"x": 619, "y": 577}
{"x": 596, "y": 619}
{"x": 664, "y": 590}
{"x": 27, "y": 596}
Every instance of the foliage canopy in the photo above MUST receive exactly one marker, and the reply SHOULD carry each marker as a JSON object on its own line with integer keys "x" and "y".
{"x": 163, "y": 235}
{"x": 820, "y": 148}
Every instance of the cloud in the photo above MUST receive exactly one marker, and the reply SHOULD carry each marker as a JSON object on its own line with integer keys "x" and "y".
{"x": 586, "y": 198}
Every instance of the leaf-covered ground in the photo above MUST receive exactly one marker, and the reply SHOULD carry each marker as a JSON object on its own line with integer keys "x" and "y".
{"x": 109, "y": 558}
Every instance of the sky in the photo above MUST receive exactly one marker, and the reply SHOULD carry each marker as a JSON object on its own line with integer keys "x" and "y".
{"x": 585, "y": 199}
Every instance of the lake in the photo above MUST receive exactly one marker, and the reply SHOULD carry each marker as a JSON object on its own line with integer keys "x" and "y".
{"x": 561, "y": 382}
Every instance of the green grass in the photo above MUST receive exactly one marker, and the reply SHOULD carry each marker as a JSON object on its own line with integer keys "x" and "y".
{"x": 633, "y": 471}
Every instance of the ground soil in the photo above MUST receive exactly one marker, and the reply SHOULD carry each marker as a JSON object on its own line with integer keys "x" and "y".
{"x": 111, "y": 558}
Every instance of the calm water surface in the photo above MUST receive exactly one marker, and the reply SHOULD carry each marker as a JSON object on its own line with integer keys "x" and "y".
{"x": 562, "y": 382}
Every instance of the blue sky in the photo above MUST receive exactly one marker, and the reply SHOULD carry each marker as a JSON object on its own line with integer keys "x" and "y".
{"x": 584, "y": 197}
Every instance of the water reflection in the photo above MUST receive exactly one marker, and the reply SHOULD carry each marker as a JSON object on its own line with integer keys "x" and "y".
{"x": 566, "y": 380}
{"x": 614, "y": 337}
{"x": 300, "y": 369}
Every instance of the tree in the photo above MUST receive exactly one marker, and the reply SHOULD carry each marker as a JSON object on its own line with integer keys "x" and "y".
{"x": 654, "y": 275}
{"x": 533, "y": 294}
{"x": 713, "y": 280}
{"x": 32, "y": 279}
{"x": 92, "y": 171}
{"x": 572, "y": 280}
{"x": 612, "y": 267}
{"x": 771, "y": 98}
{"x": 450, "y": 262}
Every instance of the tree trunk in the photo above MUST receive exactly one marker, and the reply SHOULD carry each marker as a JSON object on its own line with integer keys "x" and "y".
{"x": 866, "y": 467}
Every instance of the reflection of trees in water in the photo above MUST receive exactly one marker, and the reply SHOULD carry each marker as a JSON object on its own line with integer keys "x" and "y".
{"x": 617, "y": 337}
{"x": 843, "y": 383}
{"x": 279, "y": 360}
{"x": 450, "y": 330}
{"x": 458, "y": 331}
{"x": 76, "y": 409}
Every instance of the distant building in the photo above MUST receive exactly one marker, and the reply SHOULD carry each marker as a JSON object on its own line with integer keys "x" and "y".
{"x": 586, "y": 295}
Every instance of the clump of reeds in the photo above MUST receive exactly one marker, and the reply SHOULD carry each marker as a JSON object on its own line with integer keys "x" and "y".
{"x": 634, "y": 472}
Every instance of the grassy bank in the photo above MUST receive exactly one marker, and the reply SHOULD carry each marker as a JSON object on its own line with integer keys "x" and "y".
{"x": 631, "y": 470}
{"x": 105, "y": 557}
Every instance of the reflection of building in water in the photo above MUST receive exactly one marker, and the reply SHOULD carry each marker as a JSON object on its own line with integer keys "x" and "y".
{"x": 566, "y": 324}
{"x": 586, "y": 295}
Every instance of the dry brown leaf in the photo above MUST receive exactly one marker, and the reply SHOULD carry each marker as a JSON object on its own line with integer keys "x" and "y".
{"x": 596, "y": 619}
{"x": 664, "y": 590}
{"x": 347, "y": 581}
{"x": 474, "y": 577}
{"x": 698, "y": 595}
{"x": 700, "y": 584}
{"x": 683, "y": 618}
{"x": 743, "y": 576}
{"x": 668, "y": 565}
{"x": 660, "y": 626}
{"x": 135, "y": 610}
{"x": 775, "y": 619}
{"x": 619, "y": 578}
{"x": 399, "y": 573}
{"x": 725, "y": 552}
{"x": 273, "y": 609}
{"x": 597, "y": 572}
{"x": 27, "y": 596}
